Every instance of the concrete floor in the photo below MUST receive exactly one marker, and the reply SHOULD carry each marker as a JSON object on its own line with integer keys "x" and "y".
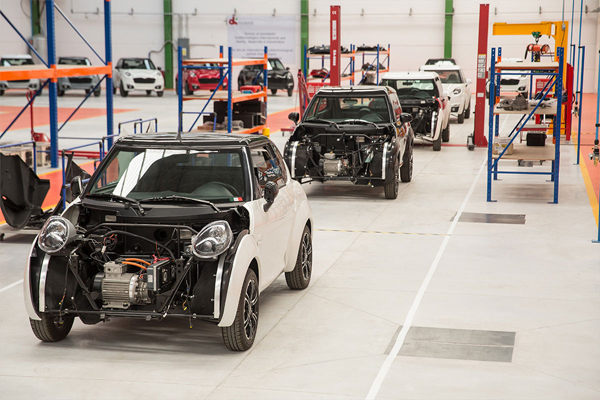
{"x": 496, "y": 311}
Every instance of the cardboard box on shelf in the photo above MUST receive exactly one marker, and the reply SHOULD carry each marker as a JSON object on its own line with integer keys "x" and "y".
{"x": 500, "y": 143}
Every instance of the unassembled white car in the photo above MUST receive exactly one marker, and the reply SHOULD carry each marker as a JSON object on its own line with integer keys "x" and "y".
{"x": 193, "y": 227}
{"x": 15, "y": 61}
{"x": 457, "y": 87}
{"x": 138, "y": 74}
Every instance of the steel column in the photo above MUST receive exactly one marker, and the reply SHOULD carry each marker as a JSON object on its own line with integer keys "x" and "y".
{"x": 303, "y": 30}
{"x": 52, "y": 92}
{"x": 168, "y": 26}
{"x": 230, "y": 87}
{"x": 491, "y": 121}
{"x": 109, "y": 79}
{"x": 580, "y": 93}
{"x": 558, "y": 87}
{"x": 334, "y": 46}
{"x": 448, "y": 29}
{"x": 482, "y": 45}
{"x": 180, "y": 88}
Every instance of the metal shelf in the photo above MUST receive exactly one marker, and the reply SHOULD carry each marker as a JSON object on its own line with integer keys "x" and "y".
{"x": 529, "y": 153}
{"x": 222, "y": 95}
{"x": 538, "y": 111}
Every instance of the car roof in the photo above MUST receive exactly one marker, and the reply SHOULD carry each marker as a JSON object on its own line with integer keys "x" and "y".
{"x": 135, "y": 58}
{"x": 366, "y": 89}
{"x": 74, "y": 57}
{"x": 192, "y": 138}
{"x": 447, "y": 67}
{"x": 24, "y": 56}
{"x": 410, "y": 75}
{"x": 441, "y": 61}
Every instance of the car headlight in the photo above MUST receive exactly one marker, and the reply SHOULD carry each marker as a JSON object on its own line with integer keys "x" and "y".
{"x": 456, "y": 91}
{"x": 193, "y": 74}
{"x": 127, "y": 73}
{"x": 213, "y": 240}
{"x": 56, "y": 233}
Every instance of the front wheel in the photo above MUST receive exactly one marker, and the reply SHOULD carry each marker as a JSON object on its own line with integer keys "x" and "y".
{"x": 160, "y": 93}
{"x": 50, "y": 328}
{"x": 148, "y": 92}
{"x": 299, "y": 277}
{"x": 290, "y": 92}
{"x": 1, "y": 92}
{"x": 437, "y": 143}
{"x": 97, "y": 92}
{"x": 273, "y": 91}
{"x": 446, "y": 134}
{"x": 407, "y": 164}
{"x": 468, "y": 112}
{"x": 241, "y": 334}
{"x": 391, "y": 188}
{"x": 124, "y": 92}
{"x": 60, "y": 93}
{"x": 461, "y": 117}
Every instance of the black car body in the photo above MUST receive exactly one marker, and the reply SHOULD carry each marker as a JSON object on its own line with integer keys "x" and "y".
{"x": 358, "y": 134}
{"x": 278, "y": 76}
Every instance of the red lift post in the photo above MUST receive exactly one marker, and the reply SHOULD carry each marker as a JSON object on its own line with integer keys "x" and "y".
{"x": 479, "y": 138}
{"x": 334, "y": 46}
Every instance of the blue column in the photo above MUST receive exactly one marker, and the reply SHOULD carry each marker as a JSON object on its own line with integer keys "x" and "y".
{"x": 229, "y": 88}
{"x": 557, "y": 123}
{"x": 53, "y": 99}
{"x": 492, "y": 100}
{"x": 180, "y": 88}
{"x": 109, "y": 80}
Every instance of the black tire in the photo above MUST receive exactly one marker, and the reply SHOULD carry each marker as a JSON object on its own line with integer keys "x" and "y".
{"x": 241, "y": 334}
{"x": 160, "y": 93}
{"x": 446, "y": 134}
{"x": 49, "y": 329}
{"x": 87, "y": 91}
{"x": 461, "y": 117}
{"x": 1, "y": 92}
{"x": 290, "y": 92}
{"x": 437, "y": 144}
{"x": 114, "y": 89}
{"x": 468, "y": 112}
{"x": 187, "y": 90}
{"x": 122, "y": 90}
{"x": 299, "y": 277}
{"x": 148, "y": 92}
{"x": 391, "y": 188}
{"x": 406, "y": 169}
{"x": 60, "y": 93}
{"x": 98, "y": 92}
{"x": 273, "y": 91}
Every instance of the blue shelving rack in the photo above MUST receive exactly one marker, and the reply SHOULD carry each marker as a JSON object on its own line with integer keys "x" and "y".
{"x": 554, "y": 70}
{"x": 50, "y": 72}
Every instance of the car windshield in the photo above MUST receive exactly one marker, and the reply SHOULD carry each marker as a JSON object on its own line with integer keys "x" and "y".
{"x": 141, "y": 174}
{"x": 348, "y": 106}
{"x": 13, "y": 62}
{"x": 138, "y": 63}
{"x": 74, "y": 61}
{"x": 275, "y": 64}
{"x": 412, "y": 88}
{"x": 448, "y": 76}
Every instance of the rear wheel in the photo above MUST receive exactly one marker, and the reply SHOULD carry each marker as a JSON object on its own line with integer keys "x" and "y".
{"x": 446, "y": 134}
{"x": 273, "y": 91}
{"x": 407, "y": 165}
{"x": 122, "y": 90}
{"x": 461, "y": 117}
{"x": 241, "y": 334}
{"x": 50, "y": 328}
{"x": 437, "y": 144}
{"x": 299, "y": 277}
{"x": 391, "y": 188}
{"x": 290, "y": 92}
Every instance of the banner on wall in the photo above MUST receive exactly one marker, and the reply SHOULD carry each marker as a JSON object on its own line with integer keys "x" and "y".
{"x": 249, "y": 35}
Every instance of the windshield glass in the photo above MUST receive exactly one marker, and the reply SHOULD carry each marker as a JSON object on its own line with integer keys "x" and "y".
{"x": 412, "y": 88}
{"x": 214, "y": 175}
{"x": 74, "y": 61}
{"x": 138, "y": 63}
{"x": 448, "y": 76}
{"x": 275, "y": 64}
{"x": 338, "y": 109}
{"x": 7, "y": 62}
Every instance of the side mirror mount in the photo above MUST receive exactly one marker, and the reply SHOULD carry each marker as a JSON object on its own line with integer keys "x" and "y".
{"x": 271, "y": 191}
{"x": 406, "y": 118}
{"x": 159, "y": 68}
{"x": 294, "y": 116}
{"x": 469, "y": 81}
{"x": 76, "y": 187}
{"x": 288, "y": 68}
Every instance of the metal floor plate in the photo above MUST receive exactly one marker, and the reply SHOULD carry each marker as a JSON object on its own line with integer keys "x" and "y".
{"x": 517, "y": 219}
{"x": 456, "y": 344}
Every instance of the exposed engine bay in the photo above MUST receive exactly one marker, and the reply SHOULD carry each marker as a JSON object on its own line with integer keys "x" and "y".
{"x": 426, "y": 116}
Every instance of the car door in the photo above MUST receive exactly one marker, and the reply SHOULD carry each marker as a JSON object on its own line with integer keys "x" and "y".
{"x": 117, "y": 74}
{"x": 272, "y": 227}
{"x": 445, "y": 111}
{"x": 401, "y": 128}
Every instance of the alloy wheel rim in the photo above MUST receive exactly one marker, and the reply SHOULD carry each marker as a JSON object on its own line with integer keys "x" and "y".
{"x": 306, "y": 256}
{"x": 250, "y": 316}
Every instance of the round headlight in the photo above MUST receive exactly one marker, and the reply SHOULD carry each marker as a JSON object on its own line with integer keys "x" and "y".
{"x": 192, "y": 74}
{"x": 456, "y": 91}
{"x": 56, "y": 233}
{"x": 127, "y": 73}
{"x": 213, "y": 240}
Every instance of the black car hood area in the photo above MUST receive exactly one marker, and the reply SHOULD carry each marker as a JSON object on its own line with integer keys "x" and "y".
{"x": 307, "y": 129}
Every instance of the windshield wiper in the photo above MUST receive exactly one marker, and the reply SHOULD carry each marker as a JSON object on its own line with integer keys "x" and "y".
{"x": 120, "y": 198}
{"x": 324, "y": 121}
{"x": 359, "y": 121}
{"x": 183, "y": 198}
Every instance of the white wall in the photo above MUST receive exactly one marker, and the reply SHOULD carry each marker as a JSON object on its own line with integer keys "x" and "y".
{"x": 10, "y": 43}
{"x": 413, "y": 38}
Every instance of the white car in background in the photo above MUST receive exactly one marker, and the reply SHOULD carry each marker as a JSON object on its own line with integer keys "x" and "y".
{"x": 138, "y": 74}
{"x": 15, "y": 61}
{"x": 512, "y": 83}
{"x": 455, "y": 85}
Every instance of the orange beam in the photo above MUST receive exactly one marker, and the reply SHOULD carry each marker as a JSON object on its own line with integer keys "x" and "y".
{"x": 60, "y": 71}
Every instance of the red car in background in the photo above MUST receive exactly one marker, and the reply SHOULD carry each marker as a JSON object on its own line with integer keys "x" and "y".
{"x": 201, "y": 79}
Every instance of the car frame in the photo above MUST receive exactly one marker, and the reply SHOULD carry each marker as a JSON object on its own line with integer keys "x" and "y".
{"x": 430, "y": 110}
{"x": 86, "y": 83}
{"x": 353, "y": 148}
{"x": 208, "y": 261}
{"x": 278, "y": 77}
{"x": 27, "y": 84}
{"x": 149, "y": 79}
{"x": 458, "y": 90}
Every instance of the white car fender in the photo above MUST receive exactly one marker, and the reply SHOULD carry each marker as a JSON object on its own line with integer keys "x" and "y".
{"x": 302, "y": 215}
{"x": 246, "y": 252}
{"x": 27, "y": 285}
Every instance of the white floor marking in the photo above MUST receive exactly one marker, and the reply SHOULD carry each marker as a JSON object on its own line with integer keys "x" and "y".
{"x": 12, "y": 285}
{"x": 413, "y": 309}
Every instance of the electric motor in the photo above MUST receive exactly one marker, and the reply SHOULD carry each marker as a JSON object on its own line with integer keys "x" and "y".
{"x": 121, "y": 289}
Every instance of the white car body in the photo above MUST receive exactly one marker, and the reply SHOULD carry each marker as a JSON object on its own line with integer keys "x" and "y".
{"x": 513, "y": 83}
{"x": 128, "y": 79}
{"x": 17, "y": 60}
{"x": 458, "y": 88}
